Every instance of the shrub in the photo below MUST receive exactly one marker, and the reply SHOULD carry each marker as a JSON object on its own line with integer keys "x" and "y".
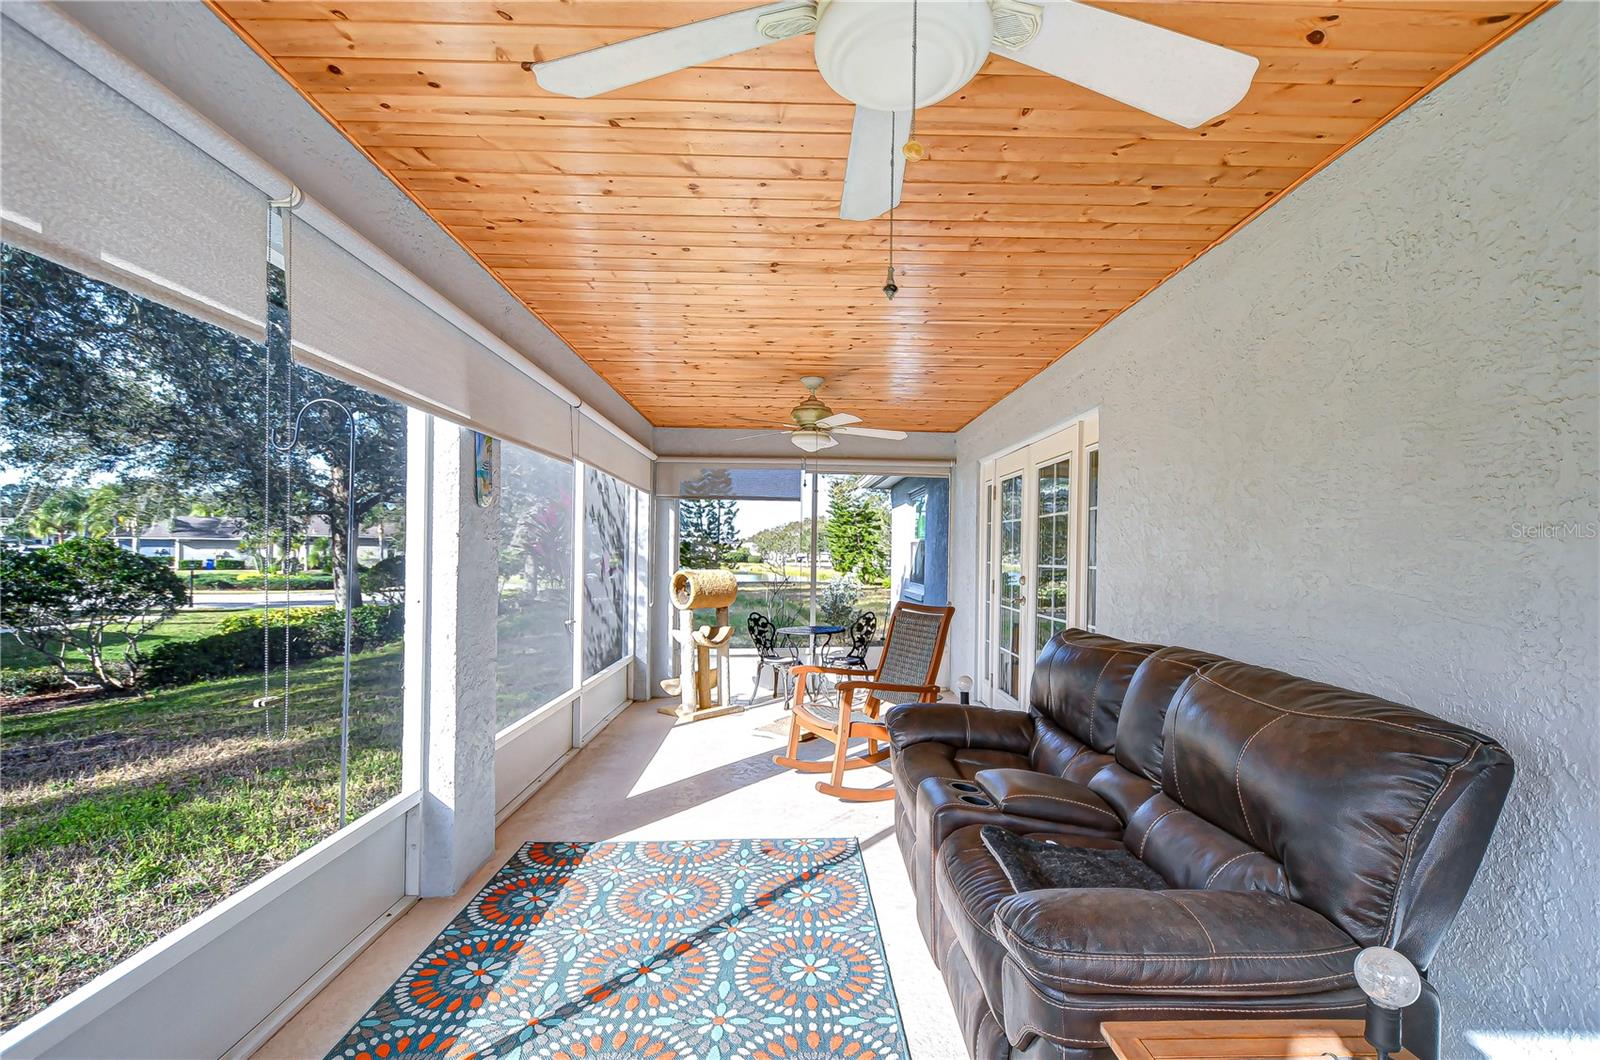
{"x": 314, "y": 632}
{"x": 191, "y": 564}
{"x": 69, "y": 597}
{"x": 32, "y": 681}
{"x": 836, "y": 600}
{"x": 230, "y": 564}
{"x": 385, "y": 580}
{"x": 249, "y": 579}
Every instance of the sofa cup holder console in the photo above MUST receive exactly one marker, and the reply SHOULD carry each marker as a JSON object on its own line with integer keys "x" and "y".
{"x": 968, "y": 788}
{"x": 976, "y": 800}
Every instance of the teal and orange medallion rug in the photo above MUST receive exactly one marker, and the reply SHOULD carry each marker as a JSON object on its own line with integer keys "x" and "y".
{"x": 721, "y": 949}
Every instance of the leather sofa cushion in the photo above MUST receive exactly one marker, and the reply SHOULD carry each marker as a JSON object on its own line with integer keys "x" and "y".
{"x": 951, "y": 723}
{"x": 1144, "y": 708}
{"x": 1115, "y": 940}
{"x": 920, "y": 761}
{"x": 1344, "y": 790}
{"x": 1079, "y": 681}
{"x": 1040, "y": 795}
{"x": 1068, "y": 1022}
{"x": 970, "y": 886}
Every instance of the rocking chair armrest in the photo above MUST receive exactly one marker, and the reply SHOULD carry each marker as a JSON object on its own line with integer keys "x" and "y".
{"x": 845, "y": 671}
{"x": 847, "y": 690}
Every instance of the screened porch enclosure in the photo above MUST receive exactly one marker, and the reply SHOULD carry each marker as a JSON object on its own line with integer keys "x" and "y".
{"x": 239, "y": 364}
{"x": 288, "y": 737}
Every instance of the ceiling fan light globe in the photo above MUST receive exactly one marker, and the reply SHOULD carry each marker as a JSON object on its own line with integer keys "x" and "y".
{"x": 812, "y": 441}
{"x": 863, "y": 49}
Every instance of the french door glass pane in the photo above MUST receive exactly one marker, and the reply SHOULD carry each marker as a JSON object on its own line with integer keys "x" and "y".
{"x": 1052, "y": 581}
{"x": 988, "y": 579}
{"x": 1009, "y": 648}
{"x": 1092, "y": 570}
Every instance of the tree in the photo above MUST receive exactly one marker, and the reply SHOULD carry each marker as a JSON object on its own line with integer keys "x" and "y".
{"x": 707, "y": 532}
{"x": 99, "y": 380}
{"x": 787, "y": 542}
{"x": 59, "y": 516}
{"x": 858, "y": 530}
{"x": 69, "y": 596}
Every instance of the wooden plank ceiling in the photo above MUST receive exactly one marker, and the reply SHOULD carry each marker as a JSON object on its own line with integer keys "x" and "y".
{"x": 683, "y": 235}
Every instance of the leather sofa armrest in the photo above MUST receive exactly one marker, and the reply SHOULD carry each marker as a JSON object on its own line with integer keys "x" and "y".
{"x": 1048, "y": 798}
{"x": 959, "y": 726}
{"x": 1207, "y": 943}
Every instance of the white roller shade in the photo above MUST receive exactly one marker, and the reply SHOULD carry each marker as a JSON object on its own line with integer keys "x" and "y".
{"x": 349, "y": 321}
{"x": 95, "y": 183}
{"x": 600, "y": 448}
{"x": 712, "y": 481}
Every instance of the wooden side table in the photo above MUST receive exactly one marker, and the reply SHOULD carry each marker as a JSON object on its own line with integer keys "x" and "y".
{"x": 1255, "y": 1039}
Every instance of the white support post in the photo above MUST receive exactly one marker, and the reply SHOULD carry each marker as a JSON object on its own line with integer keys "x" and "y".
{"x": 816, "y": 485}
{"x": 419, "y": 577}
{"x": 662, "y": 658}
{"x": 458, "y": 798}
{"x": 580, "y": 570}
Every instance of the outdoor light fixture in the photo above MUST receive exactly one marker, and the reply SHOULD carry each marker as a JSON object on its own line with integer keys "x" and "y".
{"x": 964, "y": 686}
{"x": 1390, "y": 983}
{"x": 811, "y": 440}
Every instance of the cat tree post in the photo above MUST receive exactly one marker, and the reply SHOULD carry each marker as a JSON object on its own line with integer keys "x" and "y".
{"x": 701, "y": 688}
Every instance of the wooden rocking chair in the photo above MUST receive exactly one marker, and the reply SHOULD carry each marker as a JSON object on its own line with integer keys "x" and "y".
{"x": 907, "y": 673}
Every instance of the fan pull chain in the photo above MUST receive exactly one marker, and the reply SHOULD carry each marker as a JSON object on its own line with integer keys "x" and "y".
{"x": 890, "y": 288}
{"x": 912, "y": 149}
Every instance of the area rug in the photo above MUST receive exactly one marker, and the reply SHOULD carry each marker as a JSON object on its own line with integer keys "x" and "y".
{"x": 728, "y": 949}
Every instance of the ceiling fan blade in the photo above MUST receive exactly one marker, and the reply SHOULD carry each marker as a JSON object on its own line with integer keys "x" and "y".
{"x": 1173, "y": 76}
{"x": 866, "y": 173}
{"x": 872, "y": 432}
{"x": 838, "y": 419}
{"x": 629, "y": 62}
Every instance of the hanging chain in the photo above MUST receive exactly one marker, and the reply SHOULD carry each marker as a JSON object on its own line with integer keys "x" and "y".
{"x": 890, "y": 289}
{"x": 288, "y": 458}
{"x": 911, "y": 133}
{"x": 266, "y": 498}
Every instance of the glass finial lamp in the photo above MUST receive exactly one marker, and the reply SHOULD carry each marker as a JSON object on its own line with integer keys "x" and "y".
{"x": 964, "y": 686}
{"x": 1391, "y": 983}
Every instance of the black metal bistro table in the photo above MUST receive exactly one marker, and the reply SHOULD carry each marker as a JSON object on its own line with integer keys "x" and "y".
{"x": 811, "y": 633}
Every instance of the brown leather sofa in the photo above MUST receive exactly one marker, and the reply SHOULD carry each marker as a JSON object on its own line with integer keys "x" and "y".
{"x": 1294, "y": 822}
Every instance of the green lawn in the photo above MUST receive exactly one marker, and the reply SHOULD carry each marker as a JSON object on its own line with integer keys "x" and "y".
{"x": 185, "y": 625}
{"x": 125, "y": 817}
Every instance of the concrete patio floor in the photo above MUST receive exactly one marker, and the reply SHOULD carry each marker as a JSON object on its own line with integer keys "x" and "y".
{"x": 641, "y": 778}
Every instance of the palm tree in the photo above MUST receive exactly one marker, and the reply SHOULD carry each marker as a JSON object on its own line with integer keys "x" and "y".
{"x": 59, "y": 516}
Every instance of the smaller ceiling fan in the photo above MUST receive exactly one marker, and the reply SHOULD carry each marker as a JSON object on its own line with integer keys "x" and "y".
{"x": 815, "y": 424}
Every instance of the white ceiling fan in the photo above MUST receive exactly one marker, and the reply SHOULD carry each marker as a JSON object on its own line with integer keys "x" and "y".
{"x": 815, "y": 424}
{"x": 863, "y": 51}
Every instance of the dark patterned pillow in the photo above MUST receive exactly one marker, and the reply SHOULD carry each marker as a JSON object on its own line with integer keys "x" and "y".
{"x": 1033, "y": 865}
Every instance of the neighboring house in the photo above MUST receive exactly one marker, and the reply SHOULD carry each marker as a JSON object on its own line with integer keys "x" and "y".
{"x": 212, "y": 537}
{"x": 919, "y": 537}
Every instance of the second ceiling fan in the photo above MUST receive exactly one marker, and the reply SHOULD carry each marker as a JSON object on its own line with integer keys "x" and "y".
{"x": 864, "y": 52}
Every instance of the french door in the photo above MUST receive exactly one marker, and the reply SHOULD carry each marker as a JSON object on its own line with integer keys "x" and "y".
{"x": 1040, "y": 520}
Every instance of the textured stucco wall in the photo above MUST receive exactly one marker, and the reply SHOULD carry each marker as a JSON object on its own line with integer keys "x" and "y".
{"x": 458, "y": 795}
{"x": 1358, "y": 442}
